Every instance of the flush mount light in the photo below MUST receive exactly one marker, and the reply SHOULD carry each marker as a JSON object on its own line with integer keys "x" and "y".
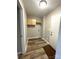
{"x": 43, "y": 4}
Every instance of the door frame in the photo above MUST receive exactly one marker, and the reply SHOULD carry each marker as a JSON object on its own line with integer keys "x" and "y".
{"x": 21, "y": 27}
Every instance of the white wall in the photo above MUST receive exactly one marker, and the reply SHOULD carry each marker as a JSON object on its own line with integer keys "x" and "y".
{"x": 58, "y": 45}
{"x": 51, "y": 24}
{"x": 34, "y": 32}
{"x": 24, "y": 28}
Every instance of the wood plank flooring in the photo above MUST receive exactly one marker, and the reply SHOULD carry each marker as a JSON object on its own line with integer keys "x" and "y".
{"x": 38, "y": 49}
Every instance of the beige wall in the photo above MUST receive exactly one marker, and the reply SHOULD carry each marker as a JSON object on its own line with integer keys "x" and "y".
{"x": 51, "y": 24}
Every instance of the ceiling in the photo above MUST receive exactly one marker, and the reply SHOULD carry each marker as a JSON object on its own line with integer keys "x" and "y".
{"x": 33, "y": 9}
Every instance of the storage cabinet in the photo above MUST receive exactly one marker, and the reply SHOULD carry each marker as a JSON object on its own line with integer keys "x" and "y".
{"x": 31, "y": 22}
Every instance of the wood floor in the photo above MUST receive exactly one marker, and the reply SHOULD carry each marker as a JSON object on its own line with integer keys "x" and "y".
{"x": 38, "y": 49}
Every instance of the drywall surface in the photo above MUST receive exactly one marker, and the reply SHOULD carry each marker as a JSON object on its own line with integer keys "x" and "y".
{"x": 58, "y": 46}
{"x": 51, "y": 24}
{"x": 24, "y": 28}
{"x": 46, "y": 28}
{"x": 35, "y": 31}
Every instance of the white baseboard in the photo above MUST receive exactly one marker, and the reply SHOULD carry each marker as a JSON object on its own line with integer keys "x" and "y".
{"x": 45, "y": 41}
{"x": 33, "y": 37}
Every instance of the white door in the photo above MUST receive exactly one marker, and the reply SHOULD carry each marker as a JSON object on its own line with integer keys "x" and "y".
{"x": 38, "y": 30}
{"x": 20, "y": 30}
{"x": 19, "y": 33}
{"x": 54, "y": 29}
{"x": 34, "y": 32}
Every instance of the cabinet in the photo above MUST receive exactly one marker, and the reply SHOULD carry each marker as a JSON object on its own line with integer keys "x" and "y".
{"x": 31, "y": 22}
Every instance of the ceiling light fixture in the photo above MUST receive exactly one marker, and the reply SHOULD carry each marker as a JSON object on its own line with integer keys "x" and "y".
{"x": 43, "y": 4}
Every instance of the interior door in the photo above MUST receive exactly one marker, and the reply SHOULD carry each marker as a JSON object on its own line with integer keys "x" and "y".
{"x": 54, "y": 29}
{"x": 19, "y": 48}
{"x": 19, "y": 29}
{"x": 38, "y": 29}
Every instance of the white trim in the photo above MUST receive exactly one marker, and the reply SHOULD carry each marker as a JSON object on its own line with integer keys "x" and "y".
{"x": 23, "y": 28}
{"x": 45, "y": 41}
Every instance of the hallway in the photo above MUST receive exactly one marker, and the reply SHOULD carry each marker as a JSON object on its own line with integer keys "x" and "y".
{"x": 37, "y": 49}
{"x": 40, "y": 29}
